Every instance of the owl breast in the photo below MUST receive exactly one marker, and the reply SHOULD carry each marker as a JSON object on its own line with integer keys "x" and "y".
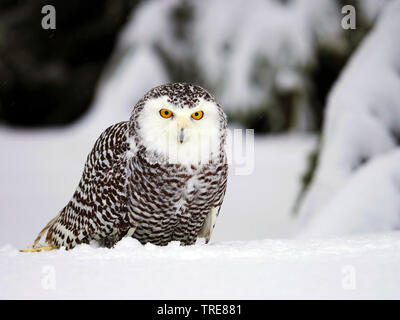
{"x": 169, "y": 202}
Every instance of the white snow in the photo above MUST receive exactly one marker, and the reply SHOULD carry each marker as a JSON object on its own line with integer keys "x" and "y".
{"x": 362, "y": 123}
{"x": 372, "y": 8}
{"x": 341, "y": 268}
{"x": 123, "y": 85}
{"x": 368, "y": 202}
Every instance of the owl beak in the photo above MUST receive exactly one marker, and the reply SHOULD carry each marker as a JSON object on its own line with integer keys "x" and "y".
{"x": 181, "y": 135}
{"x": 182, "y": 126}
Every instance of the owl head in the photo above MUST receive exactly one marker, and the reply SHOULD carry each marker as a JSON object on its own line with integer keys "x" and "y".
{"x": 180, "y": 122}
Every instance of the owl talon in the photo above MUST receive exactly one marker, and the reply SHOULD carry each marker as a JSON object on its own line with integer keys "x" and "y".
{"x": 38, "y": 249}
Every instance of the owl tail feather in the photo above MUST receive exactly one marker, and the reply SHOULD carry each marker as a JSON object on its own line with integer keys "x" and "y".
{"x": 33, "y": 247}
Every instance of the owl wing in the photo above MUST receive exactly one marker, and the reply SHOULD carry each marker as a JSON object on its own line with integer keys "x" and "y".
{"x": 210, "y": 220}
{"x": 220, "y": 193}
{"x": 98, "y": 205}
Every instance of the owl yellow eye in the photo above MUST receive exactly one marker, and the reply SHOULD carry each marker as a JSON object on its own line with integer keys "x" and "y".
{"x": 165, "y": 113}
{"x": 197, "y": 115}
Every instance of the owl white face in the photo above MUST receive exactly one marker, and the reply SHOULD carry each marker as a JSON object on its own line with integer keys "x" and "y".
{"x": 183, "y": 135}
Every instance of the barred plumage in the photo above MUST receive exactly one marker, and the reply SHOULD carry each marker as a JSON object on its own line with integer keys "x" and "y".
{"x": 133, "y": 185}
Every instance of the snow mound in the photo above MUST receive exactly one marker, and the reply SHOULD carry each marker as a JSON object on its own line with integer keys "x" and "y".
{"x": 362, "y": 121}
{"x": 347, "y": 268}
{"x": 368, "y": 202}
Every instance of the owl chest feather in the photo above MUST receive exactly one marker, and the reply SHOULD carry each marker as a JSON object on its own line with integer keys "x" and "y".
{"x": 169, "y": 201}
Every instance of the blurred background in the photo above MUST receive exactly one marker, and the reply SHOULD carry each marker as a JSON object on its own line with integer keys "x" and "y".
{"x": 323, "y": 101}
{"x": 271, "y": 63}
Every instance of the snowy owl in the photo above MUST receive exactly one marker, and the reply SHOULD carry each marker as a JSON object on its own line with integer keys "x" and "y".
{"x": 159, "y": 177}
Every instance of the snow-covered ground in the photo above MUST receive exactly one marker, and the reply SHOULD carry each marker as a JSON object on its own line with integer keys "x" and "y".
{"x": 39, "y": 172}
{"x": 345, "y": 268}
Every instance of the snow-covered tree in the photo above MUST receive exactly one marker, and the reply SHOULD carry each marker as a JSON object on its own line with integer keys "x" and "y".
{"x": 356, "y": 185}
{"x": 263, "y": 60}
